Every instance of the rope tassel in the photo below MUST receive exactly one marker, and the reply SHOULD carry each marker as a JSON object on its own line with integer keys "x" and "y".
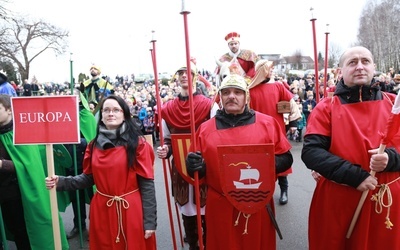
{"x": 384, "y": 192}
{"x": 247, "y": 216}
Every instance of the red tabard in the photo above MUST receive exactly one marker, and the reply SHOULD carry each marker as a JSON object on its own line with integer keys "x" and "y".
{"x": 112, "y": 177}
{"x": 333, "y": 205}
{"x": 221, "y": 214}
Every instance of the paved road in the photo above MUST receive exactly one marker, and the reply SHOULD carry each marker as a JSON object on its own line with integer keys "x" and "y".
{"x": 292, "y": 218}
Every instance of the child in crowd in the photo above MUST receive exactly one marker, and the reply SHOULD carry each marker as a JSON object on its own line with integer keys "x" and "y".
{"x": 301, "y": 123}
{"x": 149, "y": 124}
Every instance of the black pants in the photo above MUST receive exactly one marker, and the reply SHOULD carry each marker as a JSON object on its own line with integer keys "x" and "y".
{"x": 82, "y": 202}
{"x": 190, "y": 225}
{"x": 14, "y": 220}
{"x": 299, "y": 138}
{"x": 82, "y": 208}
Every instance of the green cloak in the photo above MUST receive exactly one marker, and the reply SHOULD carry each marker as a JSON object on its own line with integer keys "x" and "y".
{"x": 29, "y": 167}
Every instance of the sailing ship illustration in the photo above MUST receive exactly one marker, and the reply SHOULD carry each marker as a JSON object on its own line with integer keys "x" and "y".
{"x": 248, "y": 174}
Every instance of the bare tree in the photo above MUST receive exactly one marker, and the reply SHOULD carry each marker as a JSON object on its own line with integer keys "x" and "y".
{"x": 3, "y": 10}
{"x": 22, "y": 40}
{"x": 379, "y": 31}
{"x": 297, "y": 56}
{"x": 334, "y": 53}
{"x": 320, "y": 61}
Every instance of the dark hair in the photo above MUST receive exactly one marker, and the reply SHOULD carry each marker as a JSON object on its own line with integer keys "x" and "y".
{"x": 131, "y": 129}
{"x": 5, "y": 100}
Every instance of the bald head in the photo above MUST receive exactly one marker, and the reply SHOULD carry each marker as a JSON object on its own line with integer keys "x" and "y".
{"x": 357, "y": 66}
{"x": 351, "y": 50}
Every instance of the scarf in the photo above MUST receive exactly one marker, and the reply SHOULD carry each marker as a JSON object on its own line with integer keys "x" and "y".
{"x": 111, "y": 138}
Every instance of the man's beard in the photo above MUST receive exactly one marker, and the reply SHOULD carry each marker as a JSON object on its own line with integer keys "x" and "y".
{"x": 93, "y": 74}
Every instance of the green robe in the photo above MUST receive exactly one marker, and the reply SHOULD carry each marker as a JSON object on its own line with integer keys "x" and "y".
{"x": 29, "y": 164}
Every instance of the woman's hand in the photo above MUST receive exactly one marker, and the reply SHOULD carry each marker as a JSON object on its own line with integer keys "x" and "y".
{"x": 51, "y": 182}
{"x": 148, "y": 233}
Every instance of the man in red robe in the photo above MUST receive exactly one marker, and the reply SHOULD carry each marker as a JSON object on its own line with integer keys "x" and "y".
{"x": 245, "y": 58}
{"x": 265, "y": 93}
{"x": 341, "y": 141}
{"x": 176, "y": 120}
{"x": 236, "y": 124}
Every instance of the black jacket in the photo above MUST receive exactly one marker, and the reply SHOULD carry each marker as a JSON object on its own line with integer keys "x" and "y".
{"x": 315, "y": 153}
{"x": 223, "y": 120}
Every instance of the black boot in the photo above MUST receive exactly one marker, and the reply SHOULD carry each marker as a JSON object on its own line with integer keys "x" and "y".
{"x": 284, "y": 185}
{"x": 284, "y": 198}
{"x": 190, "y": 226}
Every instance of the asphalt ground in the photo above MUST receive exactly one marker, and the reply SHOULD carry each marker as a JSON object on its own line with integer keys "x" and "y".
{"x": 292, "y": 218}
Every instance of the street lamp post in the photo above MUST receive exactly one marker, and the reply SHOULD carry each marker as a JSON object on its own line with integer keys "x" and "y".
{"x": 74, "y": 154}
{"x": 313, "y": 19}
{"x": 71, "y": 73}
{"x": 326, "y": 59}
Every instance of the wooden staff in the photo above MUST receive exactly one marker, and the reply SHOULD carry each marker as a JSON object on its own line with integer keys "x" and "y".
{"x": 53, "y": 198}
{"x": 153, "y": 57}
{"x": 185, "y": 12}
{"x": 392, "y": 127}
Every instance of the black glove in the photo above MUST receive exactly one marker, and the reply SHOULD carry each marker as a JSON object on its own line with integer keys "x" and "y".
{"x": 195, "y": 162}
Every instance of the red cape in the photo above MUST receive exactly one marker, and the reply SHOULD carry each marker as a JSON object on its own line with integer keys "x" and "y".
{"x": 177, "y": 112}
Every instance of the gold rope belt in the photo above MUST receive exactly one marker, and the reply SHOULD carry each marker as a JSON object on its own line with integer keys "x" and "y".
{"x": 119, "y": 203}
{"x": 384, "y": 191}
{"x": 246, "y": 216}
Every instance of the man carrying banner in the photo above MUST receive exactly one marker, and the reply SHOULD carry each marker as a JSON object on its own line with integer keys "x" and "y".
{"x": 232, "y": 222}
{"x": 24, "y": 201}
{"x": 176, "y": 120}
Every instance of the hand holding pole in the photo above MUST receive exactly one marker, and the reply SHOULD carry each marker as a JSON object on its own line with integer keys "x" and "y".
{"x": 392, "y": 127}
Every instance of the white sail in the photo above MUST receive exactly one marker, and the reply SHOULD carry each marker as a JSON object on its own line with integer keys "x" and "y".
{"x": 249, "y": 174}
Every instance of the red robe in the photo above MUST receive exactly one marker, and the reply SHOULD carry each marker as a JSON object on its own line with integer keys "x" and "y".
{"x": 265, "y": 97}
{"x": 247, "y": 60}
{"x": 354, "y": 129}
{"x": 112, "y": 177}
{"x": 220, "y": 213}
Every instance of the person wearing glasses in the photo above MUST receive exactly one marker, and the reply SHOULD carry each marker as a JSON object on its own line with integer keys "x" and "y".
{"x": 119, "y": 161}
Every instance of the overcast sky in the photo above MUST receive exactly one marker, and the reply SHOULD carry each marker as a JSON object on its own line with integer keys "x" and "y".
{"x": 115, "y": 35}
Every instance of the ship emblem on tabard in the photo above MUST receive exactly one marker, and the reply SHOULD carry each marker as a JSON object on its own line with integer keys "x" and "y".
{"x": 248, "y": 178}
{"x": 248, "y": 175}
